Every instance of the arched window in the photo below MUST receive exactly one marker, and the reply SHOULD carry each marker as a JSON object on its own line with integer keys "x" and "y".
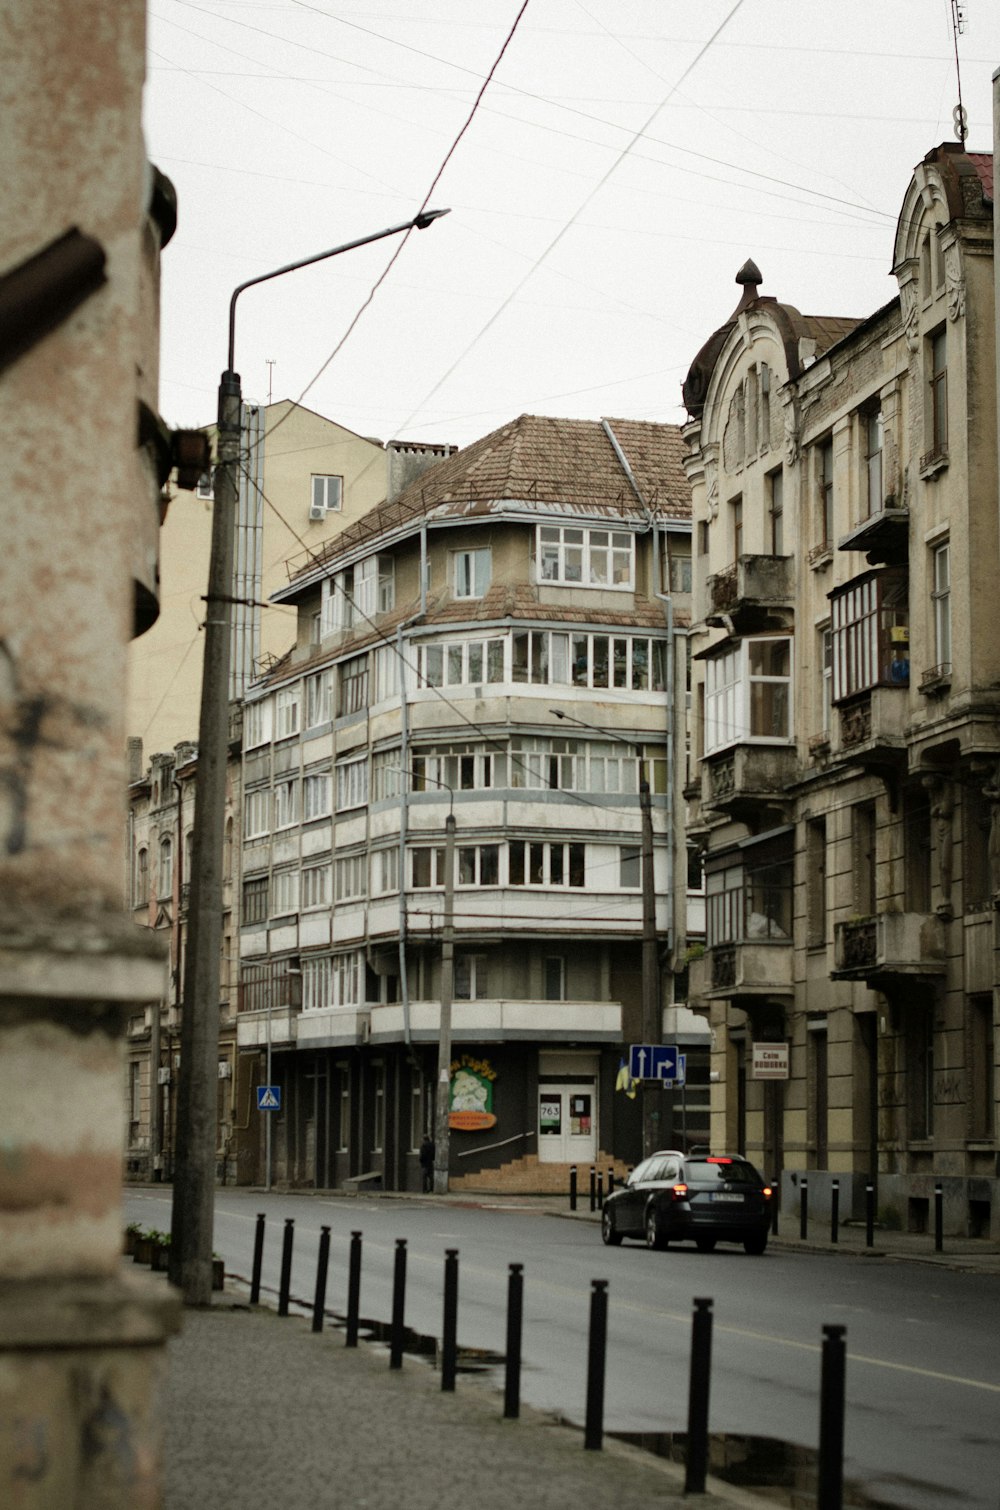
{"x": 140, "y": 891}
{"x": 165, "y": 885}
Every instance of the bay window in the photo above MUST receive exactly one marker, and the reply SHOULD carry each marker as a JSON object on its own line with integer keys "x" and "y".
{"x": 748, "y": 693}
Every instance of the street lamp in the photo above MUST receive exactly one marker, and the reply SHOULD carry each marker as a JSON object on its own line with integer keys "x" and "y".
{"x": 652, "y": 1027}
{"x": 194, "y": 1171}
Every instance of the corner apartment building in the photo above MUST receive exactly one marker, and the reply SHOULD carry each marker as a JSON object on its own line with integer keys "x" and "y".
{"x": 303, "y": 478}
{"x": 845, "y": 689}
{"x": 498, "y": 641}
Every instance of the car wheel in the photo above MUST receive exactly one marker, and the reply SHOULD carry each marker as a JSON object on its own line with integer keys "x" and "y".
{"x": 755, "y": 1244}
{"x": 654, "y": 1236}
{"x": 705, "y": 1244}
{"x": 608, "y": 1233}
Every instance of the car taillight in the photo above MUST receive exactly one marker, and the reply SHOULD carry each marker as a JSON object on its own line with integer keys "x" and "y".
{"x": 768, "y": 1192}
{"x": 679, "y": 1192}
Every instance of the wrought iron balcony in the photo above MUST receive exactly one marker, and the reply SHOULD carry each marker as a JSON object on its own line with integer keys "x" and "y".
{"x": 750, "y": 967}
{"x": 748, "y": 778}
{"x": 869, "y": 731}
{"x": 889, "y": 946}
{"x": 754, "y": 593}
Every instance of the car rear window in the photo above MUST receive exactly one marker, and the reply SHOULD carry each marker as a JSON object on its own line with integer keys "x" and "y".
{"x": 702, "y": 1171}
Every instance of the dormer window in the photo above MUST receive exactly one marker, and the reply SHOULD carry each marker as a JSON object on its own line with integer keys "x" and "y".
{"x": 573, "y": 556}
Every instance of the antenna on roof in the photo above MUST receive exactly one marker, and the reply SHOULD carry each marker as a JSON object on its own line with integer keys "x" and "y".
{"x": 959, "y": 115}
{"x": 270, "y": 374}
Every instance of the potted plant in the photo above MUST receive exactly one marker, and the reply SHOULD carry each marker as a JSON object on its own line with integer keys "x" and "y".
{"x": 132, "y": 1233}
{"x": 142, "y": 1253}
{"x": 161, "y": 1251}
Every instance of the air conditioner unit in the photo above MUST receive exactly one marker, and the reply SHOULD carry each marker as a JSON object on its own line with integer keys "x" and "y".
{"x": 317, "y": 511}
{"x": 225, "y": 1070}
{"x": 163, "y": 1075}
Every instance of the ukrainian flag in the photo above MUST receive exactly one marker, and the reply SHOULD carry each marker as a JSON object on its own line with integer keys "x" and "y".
{"x": 625, "y": 1082}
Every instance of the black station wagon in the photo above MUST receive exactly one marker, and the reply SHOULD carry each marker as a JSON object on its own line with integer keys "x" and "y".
{"x": 705, "y": 1199}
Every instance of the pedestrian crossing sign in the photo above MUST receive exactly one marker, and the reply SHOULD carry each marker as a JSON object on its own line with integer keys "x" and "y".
{"x": 269, "y": 1098}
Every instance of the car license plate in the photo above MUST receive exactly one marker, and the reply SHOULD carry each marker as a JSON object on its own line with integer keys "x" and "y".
{"x": 718, "y": 1195}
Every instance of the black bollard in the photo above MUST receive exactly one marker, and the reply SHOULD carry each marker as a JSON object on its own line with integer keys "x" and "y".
{"x": 698, "y": 1388}
{"x": 572, "y": 1187}
{"x": 835, "y": 1212}
{"x": 938, "y": 1218}
{"x": 597, "y": 1351}
{"x": 611, "y": 1179}
{"x": 870, "y": 1214}
{"x": 803, "y": 1208}
{"x": 322, "y": 1265}
{"x": 593, "y": 1188}
{"x": 515, "y": 1313}
{"x": 398, "y": 1305}
{"x": 449, "y": 1330}
{"x": 286, "y": 1265}
{"x": 354, "y": 1290}
{"x": 830, "y": 1486}
{"x": 258, "y": 1259}
{"x": 600, "y": 1191}
{"x": 775, "y": 1187}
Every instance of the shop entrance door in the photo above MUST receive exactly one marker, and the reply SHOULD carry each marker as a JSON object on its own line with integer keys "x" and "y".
{"x": 567, "y": 1123}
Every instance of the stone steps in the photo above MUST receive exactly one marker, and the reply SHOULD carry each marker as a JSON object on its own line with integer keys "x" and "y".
{"x": 531, "y": 1176}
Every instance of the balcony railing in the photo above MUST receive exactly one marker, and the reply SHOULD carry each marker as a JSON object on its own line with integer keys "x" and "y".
{"x": 751, "y": 967}
{"x": 748, "y": 777}
{"x": 751, "y": 589}
{"x": 889, "y": 945}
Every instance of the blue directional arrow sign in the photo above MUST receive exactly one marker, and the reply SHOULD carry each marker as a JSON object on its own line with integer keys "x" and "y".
{"x": 269, "y": 1098}
{"x": 653, "y": 1061}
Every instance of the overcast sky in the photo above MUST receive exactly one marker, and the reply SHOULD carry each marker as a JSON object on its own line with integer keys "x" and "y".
{"x": 626, "y": 159}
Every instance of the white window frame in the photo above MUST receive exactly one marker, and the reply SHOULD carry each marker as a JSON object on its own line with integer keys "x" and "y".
{"x": 257, "y": 723}
{"x": 576, "y": 556}
{"x": 286, "y": 803}
{"x": 386, "y": 673}
{"x": 319, "y": 698}
{"x": 475, "y": 970}
{"x": 348, "y": 979}
{"x": 630, "y": 855}
{"x": 472, "y": 855}
{"x": 350, "y": 878}
{"x": 315, "y": 890}
{"x": 463, "y": 663}
{"x": 549, "y": 849}
{"x": 326, "y": 494}
{"x": 257, "y": 813}
{"x": 317, "y": 981}
{"x": 729, "y": 700}
{"x": 165, "y": 868}
{"x": 941, "y": 603}
{"x": 352, "y": 783}
{"x": 472, "y": 572}
{"x": 284, "y": 895}
{"x": 316, "y": 787}
{"x": 287, "y": 710}
{"x": 385, "y": 871}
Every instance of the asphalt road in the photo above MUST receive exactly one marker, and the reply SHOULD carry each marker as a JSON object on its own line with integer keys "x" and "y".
{"x": 923, "y": 1371}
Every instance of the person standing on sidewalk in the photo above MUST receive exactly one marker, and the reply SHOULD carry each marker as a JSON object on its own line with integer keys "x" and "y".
{"x": 427, "y": 1162}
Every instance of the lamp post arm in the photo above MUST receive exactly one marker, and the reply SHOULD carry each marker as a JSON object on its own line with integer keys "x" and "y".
{"x": 420, "y": 222}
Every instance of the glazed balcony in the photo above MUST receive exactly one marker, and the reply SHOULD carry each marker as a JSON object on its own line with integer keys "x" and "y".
{"x": 752, "y": 594}
{"x": 747, "y": 779}
{"x": 891, "y": 946}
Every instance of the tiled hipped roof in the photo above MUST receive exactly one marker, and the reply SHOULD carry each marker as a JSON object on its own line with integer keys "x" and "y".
{"x": 553, "y": 463}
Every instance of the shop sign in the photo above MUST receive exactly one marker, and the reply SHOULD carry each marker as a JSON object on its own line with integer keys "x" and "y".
{"x": 471, "y": 1103}
{"x": 769, "y": 1062}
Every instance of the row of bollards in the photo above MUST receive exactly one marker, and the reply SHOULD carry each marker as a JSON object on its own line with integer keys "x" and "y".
{"x": 869, "y": 1213}
{"x": 596, "y": 1187}
{"x": 833, "y": 1361}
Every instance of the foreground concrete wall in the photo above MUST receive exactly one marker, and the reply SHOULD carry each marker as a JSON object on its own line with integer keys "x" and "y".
{"x": 79, "y": 1349}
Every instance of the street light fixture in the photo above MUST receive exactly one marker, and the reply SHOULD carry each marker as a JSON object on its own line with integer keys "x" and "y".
{"x": 194, "y": 1171}
{"x": 652, "y": 1027}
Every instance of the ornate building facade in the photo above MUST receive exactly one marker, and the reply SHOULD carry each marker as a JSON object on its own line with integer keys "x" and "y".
{"x": 845, "y": 699}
